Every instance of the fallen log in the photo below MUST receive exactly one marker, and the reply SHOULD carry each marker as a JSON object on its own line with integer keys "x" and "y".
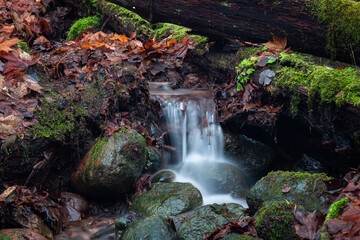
{"x": 253, "y": 20}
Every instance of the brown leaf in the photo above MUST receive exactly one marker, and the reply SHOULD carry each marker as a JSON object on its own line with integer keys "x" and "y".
{"x": 6, "y": 46}
{"x": 285, "y": 189}
{"x": 276, "y": 43}
{"x": 40, "y": 40}
{"x": 308, "y": 224}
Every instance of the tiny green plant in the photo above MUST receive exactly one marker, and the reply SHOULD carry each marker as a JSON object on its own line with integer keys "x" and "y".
{"x": 245, "y": 68}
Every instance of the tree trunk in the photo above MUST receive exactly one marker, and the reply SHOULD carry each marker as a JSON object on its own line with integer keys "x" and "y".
{"x": 248, "y": 20}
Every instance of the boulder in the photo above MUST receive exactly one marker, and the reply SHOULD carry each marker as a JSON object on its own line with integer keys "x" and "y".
{"x": 154, "y": 160}
{"x": 167, "y": 199}
{"x": 153, "y": 227}
{"x": 275, "y": 220}
{"x": 76, "y": 205}
{"x": 301, "y": 188}
{"x": 164, "y": 176}
{"x": 217, "y": 177}
{"x": 204, "y": 220}
{"x": 19, "y": 234}
{"x": 253, "y": 156}
{"x": 112, "y": 166}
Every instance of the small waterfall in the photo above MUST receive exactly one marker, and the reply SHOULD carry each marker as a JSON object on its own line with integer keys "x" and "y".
{"x": 193, "y": 131}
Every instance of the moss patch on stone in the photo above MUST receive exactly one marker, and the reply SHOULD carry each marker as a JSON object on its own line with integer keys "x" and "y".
{"x": 23, "y": 46}
{"x": 276, "y": 221}
{"x": 336, "y": 207}
{"x": 342, "y": 19}
{"x": 58, "y": 123}
{"x": 305, "y": 189}
{"x": 340, "y": 86}
{"x": 80, "y": 25}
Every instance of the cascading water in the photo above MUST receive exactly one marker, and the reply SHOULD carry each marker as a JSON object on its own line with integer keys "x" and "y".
{"x": 193, "y": 131}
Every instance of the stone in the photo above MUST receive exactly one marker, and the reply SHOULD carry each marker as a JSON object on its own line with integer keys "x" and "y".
{"x": 217, "y": 177}
{"x": 112, "y": 166}
{"x": 153, "y": 227}
{"x": 204, "y": 220}
{"x": 275, "y": 220}
{"x": 154, "y": 160}
{"x": 167, "y": 199}
{"x": 265, "y": 77}
{"x": 76, "y": 205}
{"x": 301, "y": 188}
{"x": 164, "y": 176}
{"x": 251, "y": 155}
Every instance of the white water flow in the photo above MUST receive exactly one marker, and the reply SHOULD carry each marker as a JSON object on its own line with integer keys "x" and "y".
{"x": 196, "y": 138}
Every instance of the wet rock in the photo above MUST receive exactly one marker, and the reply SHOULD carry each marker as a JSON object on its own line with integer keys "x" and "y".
{"x": 275, "y": 220}
{"x": 266, "y": 76}
{"x": 308, "y": 164}
{"x": 204, "y": 220}
{"x": 112, "y": 166}
{"x": 164, "y": 176}
{"x": 123, "y": 222}
{"x": 154, "y": 160}
{"x": 153, "y": 227}
{"x": 253, "y": 156}
{"x": 20, "y": 234}
{"x": 167, "y": 199}
{"x": 76, "y": 205}
{"x": 217, "y": 177}
{"x": 305, "y": 189}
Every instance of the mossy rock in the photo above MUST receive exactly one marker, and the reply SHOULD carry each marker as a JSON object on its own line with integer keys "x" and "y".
{"x": 275, "y": 221}
{"x": 80, "y": 25}
{"x": 235, "y": 236}
{"x": 167, "y": 199}
{"x": 112, "y": 166}
{"x": 154, "y": 160}
{"x": 165, "y": 176}
{"x": 204, "y": 220}
{"x": 153, "y": 227}
{"x": 301, "y": 188}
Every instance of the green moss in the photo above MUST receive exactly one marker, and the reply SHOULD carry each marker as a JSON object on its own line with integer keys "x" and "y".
{"x": 98, "y": 146}
{"x": 130, "y": 20}
{"x": 276, "y": 221}
{"x": 163, "y": 30}
{"x": 305, "y": 189}
{"x": 336, "y": 207}
{"x": 23, "y": 46}
{"x": 80, "y": 25}
{"x": 246, "y": 52}
{"x": 58, "y": 124}
{"x": 342, "y": 19}
{"x": 331, "y": 85}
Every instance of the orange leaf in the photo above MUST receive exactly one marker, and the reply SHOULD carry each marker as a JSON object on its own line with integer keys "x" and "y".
{"x": 6, "y": 46}
{"x": 276, "y": 43}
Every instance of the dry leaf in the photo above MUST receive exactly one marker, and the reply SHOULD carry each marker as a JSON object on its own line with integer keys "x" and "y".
{"x": 6, "y": 46}
{"x": 276, "y": 43}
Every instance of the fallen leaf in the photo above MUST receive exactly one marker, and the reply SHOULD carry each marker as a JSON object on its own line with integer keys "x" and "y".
{"x": 285, "y": 189}
{"x": 6, "y": 46}
{"x": 276, "y": 43}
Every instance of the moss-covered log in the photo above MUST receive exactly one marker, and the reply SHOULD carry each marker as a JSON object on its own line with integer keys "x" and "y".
{"x": 324, "y": 27}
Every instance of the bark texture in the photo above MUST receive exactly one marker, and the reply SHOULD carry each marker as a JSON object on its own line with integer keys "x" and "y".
{"x": 248, "y": 20}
